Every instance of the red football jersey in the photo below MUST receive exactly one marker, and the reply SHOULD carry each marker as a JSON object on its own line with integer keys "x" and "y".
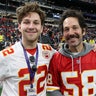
{"x": 73, "y": 76}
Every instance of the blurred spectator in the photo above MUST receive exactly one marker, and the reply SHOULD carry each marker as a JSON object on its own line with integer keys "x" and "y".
{"x": 45, "y": 39}
{"x": 1, "y": 40}
{"x": 92, "y": 41}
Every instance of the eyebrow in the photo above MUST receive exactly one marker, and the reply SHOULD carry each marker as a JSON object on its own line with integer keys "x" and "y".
{"x": 29, "y": 20}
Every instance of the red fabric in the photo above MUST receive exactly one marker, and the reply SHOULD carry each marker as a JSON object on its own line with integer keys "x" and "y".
{"x": 31, "y": 51}
{"x": 72, "y": 82}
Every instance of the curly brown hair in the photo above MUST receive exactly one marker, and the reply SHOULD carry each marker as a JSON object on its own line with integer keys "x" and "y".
{"x": 24, "y": 10}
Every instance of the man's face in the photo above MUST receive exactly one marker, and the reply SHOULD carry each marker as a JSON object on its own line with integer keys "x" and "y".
{"x": 72, "y": 32}
{"x": 30, "y": 27}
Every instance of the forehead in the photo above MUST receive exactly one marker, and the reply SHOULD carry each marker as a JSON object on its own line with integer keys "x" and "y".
{"x": 32, "y": 16}
{"x": 70, "y": 21}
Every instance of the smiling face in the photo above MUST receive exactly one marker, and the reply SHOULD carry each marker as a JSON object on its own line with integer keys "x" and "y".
{"x": 72, "y": 32}
{"x": 30, "y": 27}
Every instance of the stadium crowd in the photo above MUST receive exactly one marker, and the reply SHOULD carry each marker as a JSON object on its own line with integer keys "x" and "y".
{"x": 9, "y": 34}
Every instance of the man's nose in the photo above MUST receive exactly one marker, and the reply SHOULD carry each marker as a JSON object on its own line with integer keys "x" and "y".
{"x": 31, "y": 25}
{"x": 71, "y": 31}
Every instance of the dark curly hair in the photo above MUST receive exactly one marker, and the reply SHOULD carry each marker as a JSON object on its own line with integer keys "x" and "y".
{"x": 72, "y": 13}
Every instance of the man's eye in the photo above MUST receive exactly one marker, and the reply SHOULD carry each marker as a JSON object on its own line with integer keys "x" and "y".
{"x": 36, "y": 23}
{"x": 75, "y": 28}
{"x": 26, "y": 22}
{"x": 66, "y": 30}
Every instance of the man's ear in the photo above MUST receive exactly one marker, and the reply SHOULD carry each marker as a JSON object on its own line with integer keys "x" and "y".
{"x": 42, "y": 29}
{"x": 19, "y": 27}
{"x": 84, "y": 31}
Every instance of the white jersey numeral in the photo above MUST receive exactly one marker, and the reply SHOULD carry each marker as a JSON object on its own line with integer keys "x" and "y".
{"x": 88, "y": 81}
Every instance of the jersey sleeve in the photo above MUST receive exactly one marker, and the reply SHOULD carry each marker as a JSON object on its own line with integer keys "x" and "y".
{"x": 53, "y": 74}
{"x": 4, "y": 57}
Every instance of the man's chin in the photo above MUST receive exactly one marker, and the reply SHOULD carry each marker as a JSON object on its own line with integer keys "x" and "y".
{"x": 73, "y": 45}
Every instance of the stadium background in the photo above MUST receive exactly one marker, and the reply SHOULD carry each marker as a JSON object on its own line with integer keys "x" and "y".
{"x": 9, "y": 33}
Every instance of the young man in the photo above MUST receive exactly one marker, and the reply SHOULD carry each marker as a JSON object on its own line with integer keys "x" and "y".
{"x": 72, "y": 71}
{"x": 24, "y": 66}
